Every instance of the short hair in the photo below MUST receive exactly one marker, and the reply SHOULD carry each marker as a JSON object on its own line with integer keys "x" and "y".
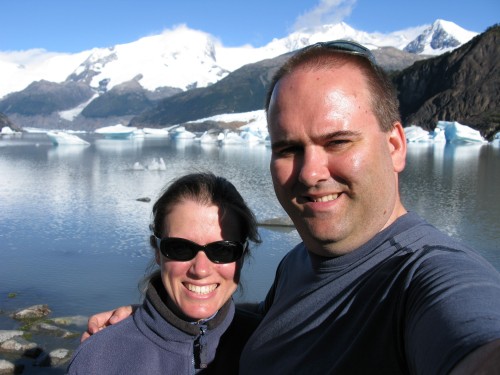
{"x": 383, "y": 95}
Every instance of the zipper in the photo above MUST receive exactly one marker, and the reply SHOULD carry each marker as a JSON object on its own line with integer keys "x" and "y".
{"x": 200, "y": 349}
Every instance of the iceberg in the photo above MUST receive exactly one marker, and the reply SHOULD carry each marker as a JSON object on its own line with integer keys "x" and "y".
{"x": 152, "y": 132}
{"x": 157, "y": 165}
{"x": 64, "y": 138}
{"x": 445, "y": 131}
{"x": 118, "y": 131}
{"x": 6, "y": 130}
{"x": 458, "y": 133}
{"x": 210, "y": 137}
{"x": 415, "y": 133}
{"x": 231, "y": 138}
{"x": 252, "y": 137}
{"x": 182, "y": 133}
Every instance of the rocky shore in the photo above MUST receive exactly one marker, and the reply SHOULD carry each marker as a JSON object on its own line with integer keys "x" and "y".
{"x": 37, "y": 343}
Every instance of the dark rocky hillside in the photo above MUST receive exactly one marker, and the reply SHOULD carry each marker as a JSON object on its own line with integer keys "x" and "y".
{"x": 44, "y": 97}
{"x": 463, "y": 86}
{"x": 128, "y": 98}
{"x": 241, "y": 91}
{"x": 4, "y": 121}
{"x": 459, "y": 86}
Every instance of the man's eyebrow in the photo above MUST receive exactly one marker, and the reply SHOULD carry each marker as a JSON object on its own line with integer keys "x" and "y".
{"x": 322, "y": 137}
{"x": 284, "y": 143}
{"x": 337, "y": 134}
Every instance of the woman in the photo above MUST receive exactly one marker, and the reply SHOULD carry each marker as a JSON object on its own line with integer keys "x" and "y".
{"x": 187, "y": 323}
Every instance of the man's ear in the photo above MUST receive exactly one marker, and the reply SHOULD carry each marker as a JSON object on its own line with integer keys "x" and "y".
{"x": 397, "y": 144}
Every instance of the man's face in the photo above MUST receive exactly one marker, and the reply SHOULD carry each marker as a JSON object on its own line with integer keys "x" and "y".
{"x": 334, "y": 170}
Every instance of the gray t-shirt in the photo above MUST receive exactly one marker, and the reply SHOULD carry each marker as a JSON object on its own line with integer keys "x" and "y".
{"x": 411, "y": 300}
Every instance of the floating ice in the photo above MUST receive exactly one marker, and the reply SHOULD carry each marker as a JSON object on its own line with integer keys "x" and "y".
{"x": 182, "y": 133}
{"x": 64, "y": 138}
{"x": 446, "y": 131}
{"x": 116, "y": 131}
{"x": 458, "y": 133}
{"x": 157, "y": 165}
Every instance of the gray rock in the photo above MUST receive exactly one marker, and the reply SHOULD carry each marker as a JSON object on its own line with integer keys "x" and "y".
{"x": 6, "y": 367}
{"x": 52, "y": 330}
{"x": 56, "y": 357}
{"x": 8, "y": 334}
{"x": 78, "y": 320}
{"x": 21, "y": 346}
{"x": 32, "y": 312}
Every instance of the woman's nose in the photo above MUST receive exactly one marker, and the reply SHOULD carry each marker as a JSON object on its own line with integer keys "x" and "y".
{"x": 201, "y": 266}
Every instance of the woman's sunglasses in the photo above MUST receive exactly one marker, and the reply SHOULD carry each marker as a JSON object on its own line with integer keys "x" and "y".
{"x": 183, "y": 250}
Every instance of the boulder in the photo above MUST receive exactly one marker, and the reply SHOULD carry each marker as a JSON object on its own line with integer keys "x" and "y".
{"x": 9, "y": 334}
{"x": 52, "y": 330}
{"x": 7, "y": 368}
{"x": 21, "y": 346}
{"x": 56, "y": 357}
{"x": 32, "y": 312}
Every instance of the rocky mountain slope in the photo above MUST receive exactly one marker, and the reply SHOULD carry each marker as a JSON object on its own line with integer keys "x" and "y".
{"x": 463, "y": 86}
{"x": 120, "y": 82}
{"x": 90, "y": 97}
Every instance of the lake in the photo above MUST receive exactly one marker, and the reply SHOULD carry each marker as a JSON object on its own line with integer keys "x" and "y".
{"x": 74, "y": 236}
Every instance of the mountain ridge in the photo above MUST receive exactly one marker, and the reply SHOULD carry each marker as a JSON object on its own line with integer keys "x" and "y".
{"x": 241, "y": 90}
{"x": 185, "y": 58}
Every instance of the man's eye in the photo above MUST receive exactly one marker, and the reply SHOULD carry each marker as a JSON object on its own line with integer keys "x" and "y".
{"x": 286, "y": 151}
{"x": 338, "y": 142}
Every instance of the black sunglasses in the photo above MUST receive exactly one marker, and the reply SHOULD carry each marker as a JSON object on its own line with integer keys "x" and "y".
{"x": 183, "y": 250}
{"x": 346, "y": 46}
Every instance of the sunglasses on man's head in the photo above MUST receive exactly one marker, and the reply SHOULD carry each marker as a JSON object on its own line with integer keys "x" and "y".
{"x": 183, "y": 250}
{"x": 346, "y": 46}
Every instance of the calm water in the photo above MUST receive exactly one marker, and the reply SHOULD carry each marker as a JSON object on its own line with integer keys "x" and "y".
{"x": 73, "y": 235}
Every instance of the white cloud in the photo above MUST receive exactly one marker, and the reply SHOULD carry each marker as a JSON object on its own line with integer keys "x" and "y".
{"x": 326, "y": 12}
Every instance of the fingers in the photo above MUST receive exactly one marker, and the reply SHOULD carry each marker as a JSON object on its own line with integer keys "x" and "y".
{"x": 85, "y": 336}
{"x": 120, "y": 313}
{"x": 103, "y": 319}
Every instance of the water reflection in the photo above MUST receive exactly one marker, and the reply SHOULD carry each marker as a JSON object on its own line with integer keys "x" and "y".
{"x": 455, "y": 188}
{"x": 72, "y": 233}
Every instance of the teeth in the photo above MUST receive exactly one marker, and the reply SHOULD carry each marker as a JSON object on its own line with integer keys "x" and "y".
{"x": 205, "y": 289}
{"x": 327, "y": 198}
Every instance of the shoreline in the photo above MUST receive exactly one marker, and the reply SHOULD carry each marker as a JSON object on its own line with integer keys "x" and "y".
{"x": 34, "y": 342}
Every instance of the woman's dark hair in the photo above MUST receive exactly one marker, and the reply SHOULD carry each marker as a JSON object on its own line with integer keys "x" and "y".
{"x": 208, "y": 189}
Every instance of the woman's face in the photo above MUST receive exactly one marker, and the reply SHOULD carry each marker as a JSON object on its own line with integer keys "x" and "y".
{"x": 198, "y": 287}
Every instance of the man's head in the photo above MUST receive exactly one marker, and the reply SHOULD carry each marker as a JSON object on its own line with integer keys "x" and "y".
{"x": 337, "y": 146}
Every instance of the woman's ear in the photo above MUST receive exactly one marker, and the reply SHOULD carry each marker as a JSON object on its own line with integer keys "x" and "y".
{"x": 152, "y": 242}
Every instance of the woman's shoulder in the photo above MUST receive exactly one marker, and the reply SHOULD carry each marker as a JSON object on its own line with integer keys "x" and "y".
{"x": 102, "y": 346}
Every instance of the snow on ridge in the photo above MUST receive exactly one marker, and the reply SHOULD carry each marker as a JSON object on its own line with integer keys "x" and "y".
{"x": 462, "y": 35}
{"x": 183, "y": 57}
{"x": 230, "y": 117}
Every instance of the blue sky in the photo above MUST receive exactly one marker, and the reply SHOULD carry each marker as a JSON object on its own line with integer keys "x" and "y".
{"x": 77, "y": 25}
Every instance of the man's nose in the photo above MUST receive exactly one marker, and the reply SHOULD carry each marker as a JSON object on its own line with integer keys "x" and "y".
{"x": 314, "y": 167}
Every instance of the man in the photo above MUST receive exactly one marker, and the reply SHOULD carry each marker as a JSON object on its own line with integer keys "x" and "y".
{"x": 372, "y": 288}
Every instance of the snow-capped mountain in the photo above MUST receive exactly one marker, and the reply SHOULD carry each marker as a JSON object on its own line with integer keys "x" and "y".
{"x": 185, "y": 58}
{"x": 442, "y": 36}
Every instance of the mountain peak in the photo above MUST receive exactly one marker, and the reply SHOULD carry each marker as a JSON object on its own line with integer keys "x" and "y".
{"x": 440, "y": 37}
{"x": 184, "y": 58}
